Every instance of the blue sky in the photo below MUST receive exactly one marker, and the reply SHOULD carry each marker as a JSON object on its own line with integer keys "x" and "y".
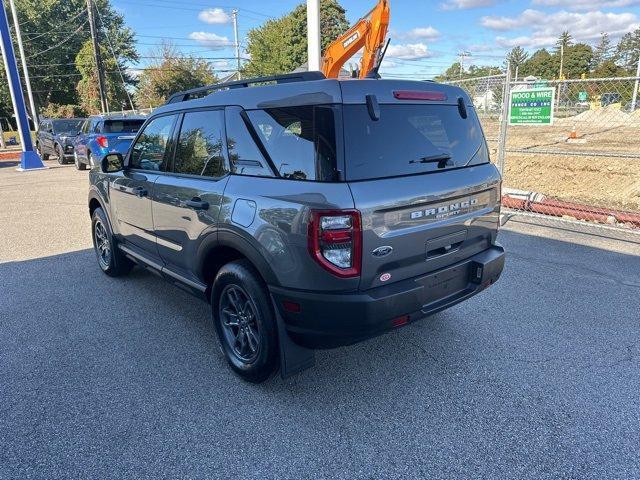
{"x": 427, "y": 36}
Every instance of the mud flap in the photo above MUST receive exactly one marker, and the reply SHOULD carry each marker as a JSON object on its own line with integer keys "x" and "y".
{"x": 293, "y": 358}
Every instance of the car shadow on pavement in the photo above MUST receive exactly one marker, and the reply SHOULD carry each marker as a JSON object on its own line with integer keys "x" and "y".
{"x": 553, "y": 346}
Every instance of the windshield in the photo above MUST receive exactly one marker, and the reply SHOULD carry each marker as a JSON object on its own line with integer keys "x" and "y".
{"x": 122, "y": 126}
{"x": 71, "y": 125}
{"x": 410, "y": 139}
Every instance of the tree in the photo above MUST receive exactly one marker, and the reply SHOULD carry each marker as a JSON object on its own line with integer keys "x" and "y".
{"x": 280, "y": 45}
{"x": 169, "y": 74}
{"x": 54, "y": 32}
{"x": 577, "y": 60}
{"x": 516, "y": 58}
{"x": 474, "y": 71}
{"x": 564, "y": 40}
{"x": 542, "y": 65}
{"x": 87, "y": 86}
{"x": 628, "y": 51}
{"x": 603, "y": 52}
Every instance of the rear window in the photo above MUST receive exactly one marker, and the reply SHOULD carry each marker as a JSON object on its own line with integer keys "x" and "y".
{"x": 61, "y": 126}
{"x": 122, "y": 126}
{"x": 410, "y": 139}
{"x": 301, "y": 141}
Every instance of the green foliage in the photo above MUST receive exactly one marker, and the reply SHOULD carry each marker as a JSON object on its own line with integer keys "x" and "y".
{"x": 577, "y": 60}
{"x": 55, "y": 110}
{"x": 170, "y": 74}
{"x": 280, "y": 45}
{"x": 542, "y": 65}
{"x": 516, "y": 57}
{"x": 87, "y": 87}
{"x": 628, "y": 51}
{"x": 54, "y": 32}
{"x": 603, "y": 52}
{"x": 474, "y": 71}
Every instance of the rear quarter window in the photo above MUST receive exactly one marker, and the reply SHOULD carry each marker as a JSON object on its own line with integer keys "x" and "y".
{"x": 301, "y": 141}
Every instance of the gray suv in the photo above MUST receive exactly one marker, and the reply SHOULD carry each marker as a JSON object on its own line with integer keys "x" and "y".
{"x": 311, "y": 213}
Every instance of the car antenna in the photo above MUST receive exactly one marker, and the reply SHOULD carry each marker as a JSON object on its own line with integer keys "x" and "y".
{"x": 373, "y": 73}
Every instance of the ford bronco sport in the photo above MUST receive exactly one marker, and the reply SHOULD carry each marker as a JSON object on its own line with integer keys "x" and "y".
{"x": 310, "y": 213}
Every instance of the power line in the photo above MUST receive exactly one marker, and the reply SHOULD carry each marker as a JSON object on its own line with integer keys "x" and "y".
{"x": 60, "y": 43}
{"x": 41, "y": 34}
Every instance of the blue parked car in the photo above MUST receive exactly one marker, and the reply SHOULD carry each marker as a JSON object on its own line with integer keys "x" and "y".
{"x": 104, "y": 134}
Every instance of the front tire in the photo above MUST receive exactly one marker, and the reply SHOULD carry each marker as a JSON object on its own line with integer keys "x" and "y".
{"x": 244, "y": 320}
{"x": 110, "y": 259}
{"x": 59, "y": 155}
{"x": 79, "y": 164}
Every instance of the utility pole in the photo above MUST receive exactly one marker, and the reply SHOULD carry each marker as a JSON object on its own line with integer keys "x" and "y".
{"x": 313, "y": 35}
{"x": 561, "y": 60}
{"x": 98, "y": 58}
{"x": 25, "y": 71}
{"x": 234, "y": 16}
{"x": 635, "y": 89}
{"x": 463, "y": 55}
{"x": 28, "y": 158}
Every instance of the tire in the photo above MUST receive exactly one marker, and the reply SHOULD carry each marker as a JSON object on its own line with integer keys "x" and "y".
{"x": 44, "y": 156}
{"x": 110, "y": 259}
{"x": 246, "y": 326}
{"x": 59, "y": 155}
{"x": 79, "y": 165}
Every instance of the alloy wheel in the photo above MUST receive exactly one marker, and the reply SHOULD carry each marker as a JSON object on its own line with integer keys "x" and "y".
{"x": 103, "y": 245}
{"x": 238, "y": 316}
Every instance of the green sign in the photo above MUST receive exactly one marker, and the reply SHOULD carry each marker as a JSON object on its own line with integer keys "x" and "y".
{"x": 582, "y": 96}
{"x": 531, "y": 107}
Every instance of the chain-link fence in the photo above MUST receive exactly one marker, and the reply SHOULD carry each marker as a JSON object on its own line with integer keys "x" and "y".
{"x": 581, "y": 165}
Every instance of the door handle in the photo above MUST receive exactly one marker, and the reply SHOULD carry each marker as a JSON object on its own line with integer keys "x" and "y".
{"x": 197, "y": 204}
{"x": 140, "y": 192}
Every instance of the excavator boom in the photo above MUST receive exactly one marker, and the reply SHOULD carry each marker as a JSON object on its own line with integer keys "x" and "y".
{"x": 369, "y": 32}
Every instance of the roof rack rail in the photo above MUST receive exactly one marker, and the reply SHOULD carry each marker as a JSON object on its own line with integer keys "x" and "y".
{"x": 285, "y": 78}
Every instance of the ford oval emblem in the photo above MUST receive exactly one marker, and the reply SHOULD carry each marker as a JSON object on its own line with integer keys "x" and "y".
{"x": 382, "y": 251}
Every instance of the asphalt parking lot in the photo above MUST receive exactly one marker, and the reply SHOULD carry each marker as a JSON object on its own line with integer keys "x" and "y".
{"x": 538, "y": 377}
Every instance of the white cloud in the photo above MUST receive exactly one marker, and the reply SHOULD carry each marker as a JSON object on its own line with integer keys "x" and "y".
{"x": 545, "y": 28}
{"x": 220, "y": 64}
{"x": 216, "y": 42}
{"x": 410, "y": 51}
{"x": 214, "y": 16}
{"x": 422, "y": 33}
{"x": 466, "y": 4}
{"x": 587, "y": 4}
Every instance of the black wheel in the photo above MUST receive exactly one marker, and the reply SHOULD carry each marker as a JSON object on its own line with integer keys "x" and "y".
{"x": 111, "y": 260}
{"x": 44, "y": 156}
{"x": 244, "y": 321}
{"x": 59, "y": 155}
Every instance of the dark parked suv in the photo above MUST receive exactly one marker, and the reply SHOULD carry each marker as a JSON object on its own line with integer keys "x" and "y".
{"x": 56, "y": 136}
{"x": 311, "y": 213}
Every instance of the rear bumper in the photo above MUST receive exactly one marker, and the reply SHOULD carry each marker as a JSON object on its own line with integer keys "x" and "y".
{"x": 333, "y": 320}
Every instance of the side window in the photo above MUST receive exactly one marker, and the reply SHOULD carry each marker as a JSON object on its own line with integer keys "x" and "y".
{"x": 244, "y": 154}
{"x": 199, "y": 146}
{"x": 150, "y": 150}
{"x": 98, "y": 127}
{"x": 301, "y": 141}
{"x": 85, "y": 126}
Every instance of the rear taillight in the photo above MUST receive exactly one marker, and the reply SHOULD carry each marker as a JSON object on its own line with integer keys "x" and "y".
{"x": 102, "y": 141}
{"x": 335, "y": 241}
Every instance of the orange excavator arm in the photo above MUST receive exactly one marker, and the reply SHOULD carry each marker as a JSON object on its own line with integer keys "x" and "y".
{"x": 369, "y": 32}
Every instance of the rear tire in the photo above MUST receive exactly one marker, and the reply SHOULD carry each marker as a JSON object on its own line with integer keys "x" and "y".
{"x": 110, "y": 259}
{"x": 244, "y": 321}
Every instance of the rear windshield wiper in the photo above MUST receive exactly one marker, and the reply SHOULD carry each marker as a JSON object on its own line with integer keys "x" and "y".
{"x": 442, "y": 159}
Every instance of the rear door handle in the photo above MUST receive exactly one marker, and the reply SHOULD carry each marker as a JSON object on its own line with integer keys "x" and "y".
{"x": 140, "y": 192}
{"x": 197, "y": 204}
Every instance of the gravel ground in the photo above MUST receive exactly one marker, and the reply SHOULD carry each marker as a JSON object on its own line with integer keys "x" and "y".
{"x": 537, "y": 377}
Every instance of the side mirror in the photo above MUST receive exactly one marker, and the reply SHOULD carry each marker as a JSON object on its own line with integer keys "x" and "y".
{"x": 112, "y": 162}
